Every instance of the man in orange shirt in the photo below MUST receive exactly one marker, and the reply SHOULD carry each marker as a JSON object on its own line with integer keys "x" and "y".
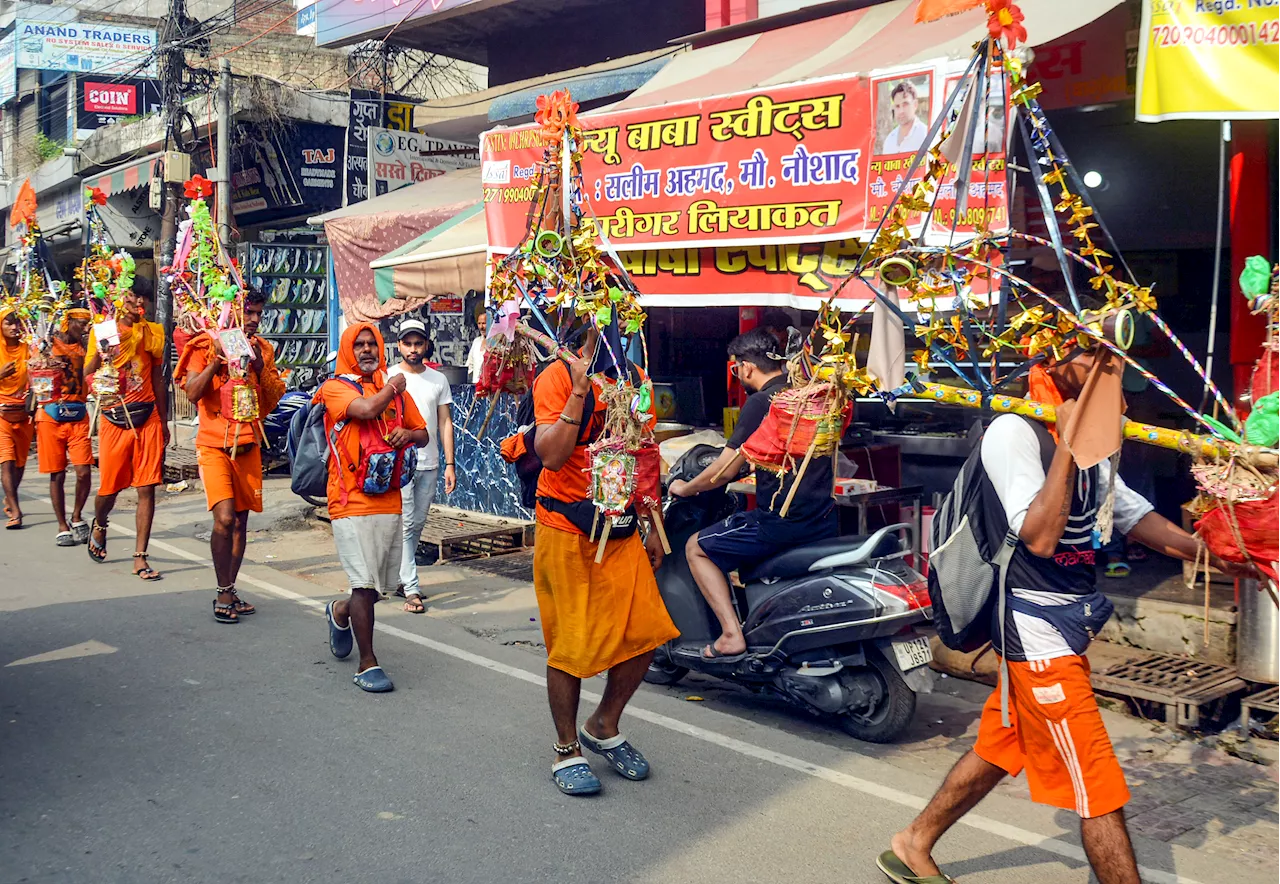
{"x": 227, "y": 451}
{"x": 373, "y": 427}
{"x": 62, "y": 429}
{"x": 133, "y": 431}
{"x": 15, "y": 419}
{"x": 596, "y": 617}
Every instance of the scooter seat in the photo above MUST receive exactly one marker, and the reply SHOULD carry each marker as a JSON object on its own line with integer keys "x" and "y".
{"x": 801, "y": 559}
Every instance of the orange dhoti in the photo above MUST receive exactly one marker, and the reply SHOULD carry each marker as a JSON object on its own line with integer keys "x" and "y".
{"x": 58, "y": 443}
{"x": 1057, "y": 735}
{"x": 595, "y": 616}
{"x": 238, "y": 480}
{"x": 130, "y": 457}
{"x": 15, "y": 441}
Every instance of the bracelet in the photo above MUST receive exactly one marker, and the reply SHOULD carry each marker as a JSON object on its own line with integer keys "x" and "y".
{"x": 569, "y": 420}
{"x": 580, "y": 395}
{"x": 448, "y": 464}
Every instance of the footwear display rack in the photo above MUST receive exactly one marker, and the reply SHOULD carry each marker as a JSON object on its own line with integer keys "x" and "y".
{"x": 296, "y": 281}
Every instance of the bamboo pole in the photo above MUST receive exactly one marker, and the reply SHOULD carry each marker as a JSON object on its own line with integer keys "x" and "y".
{"x": 604, "y": 538}
{"x": 1161, "y": 437}
{"x": 655, "y": 515}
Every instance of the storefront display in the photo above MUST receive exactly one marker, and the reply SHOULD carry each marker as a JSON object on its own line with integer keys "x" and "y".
{"x": 294, "y": 277}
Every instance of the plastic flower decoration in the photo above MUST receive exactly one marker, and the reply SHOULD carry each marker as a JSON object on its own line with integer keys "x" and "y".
{"x": 96, "y": 196}
{"x": 556, "y": 112}
{"x": 1005, "y": 22}
{"x": 197, "y": 187}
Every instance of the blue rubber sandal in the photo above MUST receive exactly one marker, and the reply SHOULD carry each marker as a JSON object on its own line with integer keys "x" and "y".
{"x": 574, "y": 776}
{"x": 373, "y": 680}
{"x": 340, "y": 639}
{"x": 625, "y": 758}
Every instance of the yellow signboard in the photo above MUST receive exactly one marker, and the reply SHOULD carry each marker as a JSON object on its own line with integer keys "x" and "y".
{"x": 1209, "y": 60}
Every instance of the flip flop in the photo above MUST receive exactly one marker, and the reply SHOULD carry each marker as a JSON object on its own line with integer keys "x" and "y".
{"x": 340, "y": 638}
{"x": 14, "y": 524}
{"x": 80, "y": 530}
{"x": 1118, "y": 569}
{"x": 900, "y": 873}
{"x": 65, "y": 538}
{"x": 373, "y": 680}
{"x": 416, "y": 601}
{"x": 97, "y": 553}
{"x": 718, "y": 657}
{"x": 625, "y": 758}
{"x": 574, "y": 776}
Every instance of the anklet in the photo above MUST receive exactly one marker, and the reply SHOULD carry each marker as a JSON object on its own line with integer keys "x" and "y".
{"x": 567, "y": 749}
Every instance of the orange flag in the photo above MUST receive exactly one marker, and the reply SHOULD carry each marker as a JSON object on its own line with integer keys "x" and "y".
{"x": 24, "y": 207}
{"x": 932, "y": 10}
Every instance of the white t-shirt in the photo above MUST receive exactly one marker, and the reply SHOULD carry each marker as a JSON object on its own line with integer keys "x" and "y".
{"x": 475, "y": 358}
{"x": 429, "y": 390}
{"x": 913, "y": 140}
{"x": 1011, "y": 459}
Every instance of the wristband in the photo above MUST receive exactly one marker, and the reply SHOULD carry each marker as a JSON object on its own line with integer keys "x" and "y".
{"x": 580, "y": 395}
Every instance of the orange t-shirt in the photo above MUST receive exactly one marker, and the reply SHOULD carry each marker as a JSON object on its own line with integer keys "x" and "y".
{"x": 73, "y": 385}
{"x": 572, "y": 482}
{"x": 13, "y": 389}
{"x": 337, "y": 397}
{"x": 140, "y": 349}
{"x": 215, "y": 431}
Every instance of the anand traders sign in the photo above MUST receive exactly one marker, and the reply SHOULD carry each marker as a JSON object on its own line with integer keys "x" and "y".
{"x": 85, "y": 47}
{"x": 346, "y": 21}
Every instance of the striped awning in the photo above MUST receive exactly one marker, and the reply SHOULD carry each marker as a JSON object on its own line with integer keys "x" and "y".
{"x": 854, "y": 42}
{"x": 129, "y": 176}
{"x": 449, "y": 259}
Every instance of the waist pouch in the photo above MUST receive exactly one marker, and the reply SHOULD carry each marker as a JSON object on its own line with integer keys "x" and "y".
{"x": 66, "y": 412}
{"x": 130, "y": 415}
{"x": 1079, "y": 621}
{"x": 583, "y": 515}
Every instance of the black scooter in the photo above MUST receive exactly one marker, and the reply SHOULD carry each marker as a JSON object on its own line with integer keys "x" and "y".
{"x": 829, "y": 626}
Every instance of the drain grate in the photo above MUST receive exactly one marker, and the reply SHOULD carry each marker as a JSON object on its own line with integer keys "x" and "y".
{"x": 1180, "y": 684}
{"x": 1263, "y": 701}
{"x": 458, "y": 534}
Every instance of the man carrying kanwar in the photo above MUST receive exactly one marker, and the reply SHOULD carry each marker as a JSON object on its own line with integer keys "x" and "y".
{"x": 62, "y": 429}
{"x": 133, "y": 430}
{"x": 595, "y": 617}
{"x": 15, "y": 419}
{"x": 1054, "y": 609}
{"x": 227, "y": 451}
{"x": 373, "y": 428}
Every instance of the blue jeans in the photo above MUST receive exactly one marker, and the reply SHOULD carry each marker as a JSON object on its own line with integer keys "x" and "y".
{"x": 415, "y": 502}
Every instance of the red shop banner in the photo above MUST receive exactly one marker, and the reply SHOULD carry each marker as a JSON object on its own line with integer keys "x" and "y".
{"x": 814, "y": 162}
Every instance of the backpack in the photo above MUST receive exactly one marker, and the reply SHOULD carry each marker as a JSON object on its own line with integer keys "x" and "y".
{"x": 972, "y": 547}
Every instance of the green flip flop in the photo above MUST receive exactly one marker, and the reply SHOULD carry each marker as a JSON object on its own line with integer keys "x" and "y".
{"x": 900, "y": 873}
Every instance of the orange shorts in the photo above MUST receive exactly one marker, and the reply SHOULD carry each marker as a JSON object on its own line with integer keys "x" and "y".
{"x": 15, "y": 441}
{"x": 239, "y": 480}
{"x": 1057, "y": 735}
{"x": 57, "y": 443}
{"x": 130, "y": 457}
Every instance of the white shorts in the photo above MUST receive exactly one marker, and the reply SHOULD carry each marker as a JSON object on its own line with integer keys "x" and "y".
{"x": 369, "y": 550}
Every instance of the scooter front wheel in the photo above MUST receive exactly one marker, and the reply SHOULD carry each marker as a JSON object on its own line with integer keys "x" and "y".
{"x": 660, "y": 673}
{"x": 890, "y": 716}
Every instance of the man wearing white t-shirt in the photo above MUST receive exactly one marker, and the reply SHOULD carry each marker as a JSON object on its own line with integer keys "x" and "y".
{"x": 908, "y": 135}
{"x": 430, "y": 392}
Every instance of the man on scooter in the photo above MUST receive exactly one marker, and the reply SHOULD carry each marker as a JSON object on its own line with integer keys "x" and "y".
{"x": 747, "y": 538}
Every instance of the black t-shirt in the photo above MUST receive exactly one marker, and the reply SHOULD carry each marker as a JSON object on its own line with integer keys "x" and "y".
{"x": 813, "y": 501}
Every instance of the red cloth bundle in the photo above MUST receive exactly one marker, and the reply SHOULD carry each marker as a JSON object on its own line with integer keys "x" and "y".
{"x": 1266, "y": 375}
{"x": 648, "y": 476}
{"x": 795, "y": 420}
{"x": 507, "y": 372}
{"x": 1258, "y": 529}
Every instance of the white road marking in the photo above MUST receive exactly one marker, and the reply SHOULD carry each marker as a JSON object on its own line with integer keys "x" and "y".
{"x": 1016, "y": 834}
{"x": 74, "y": 652}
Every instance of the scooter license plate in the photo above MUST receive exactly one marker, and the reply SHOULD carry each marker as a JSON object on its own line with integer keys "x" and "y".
{"x": 912, "y": 653}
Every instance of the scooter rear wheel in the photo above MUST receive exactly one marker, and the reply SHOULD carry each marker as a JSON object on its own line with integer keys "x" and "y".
{"x": 891, "y": 716}
{"x": 659, "y": 673}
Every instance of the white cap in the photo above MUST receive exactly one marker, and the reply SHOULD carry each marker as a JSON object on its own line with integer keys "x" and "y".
{"x": 409, "y": 326}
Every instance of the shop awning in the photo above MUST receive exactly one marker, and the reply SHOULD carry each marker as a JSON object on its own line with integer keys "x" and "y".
{"x": 129, "y": 176}
{"x": 366, "y": 231}
{"x": 859, "y": 41}
{"x": 449, "y": 259}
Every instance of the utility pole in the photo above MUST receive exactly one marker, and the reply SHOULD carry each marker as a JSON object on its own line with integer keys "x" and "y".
{"x": 222, "y": 188}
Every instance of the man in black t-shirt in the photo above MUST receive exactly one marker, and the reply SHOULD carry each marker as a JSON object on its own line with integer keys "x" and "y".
{"x": 747, "y": 538}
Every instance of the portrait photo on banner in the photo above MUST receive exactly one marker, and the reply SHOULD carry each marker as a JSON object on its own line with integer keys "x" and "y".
{"x": 903, "y": 107}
